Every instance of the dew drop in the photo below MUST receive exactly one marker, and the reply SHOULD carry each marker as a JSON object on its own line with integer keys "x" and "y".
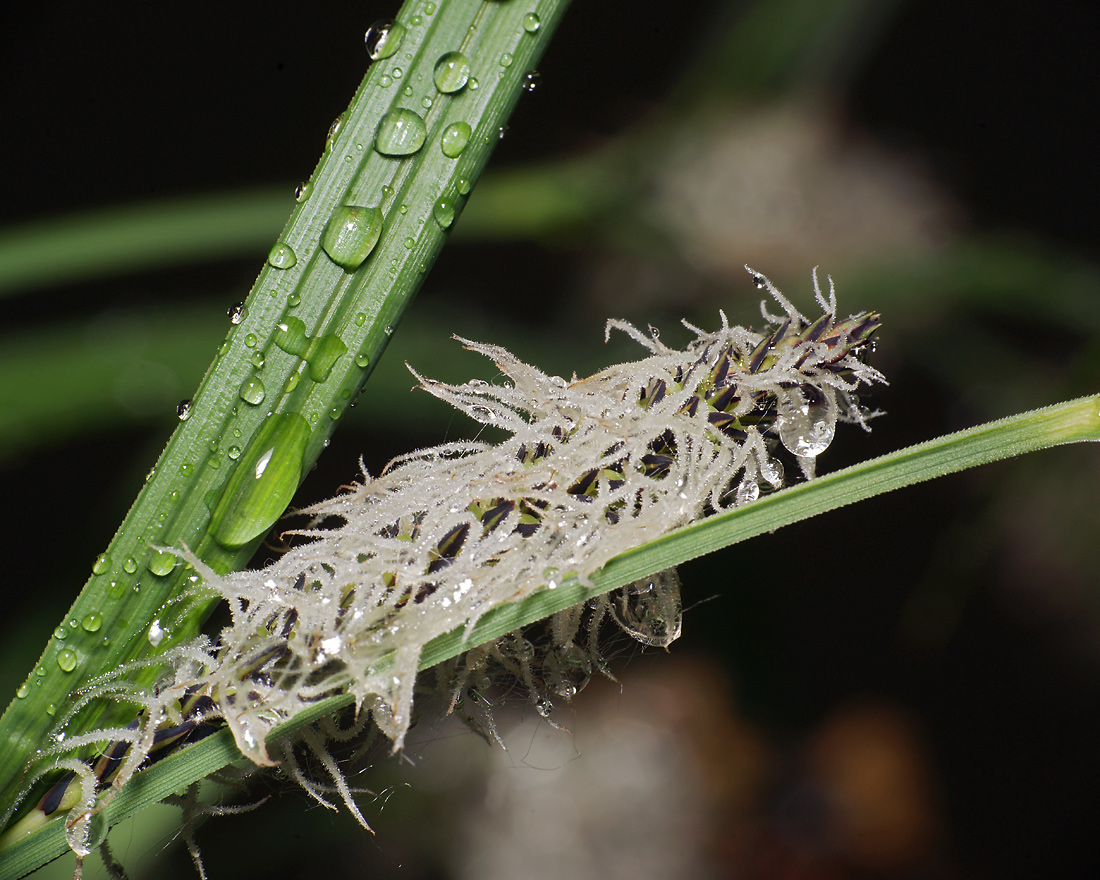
{"x": 506, "y": 60}
{"x": 183, "y": 410}
{"x": 360, "y": 319}
{"x": 747, "y": 492}
{"x": 237, "y": 313}
{"x": 501, "y": 132}
{"x": 334, "y": 129}
{"x": 263, "y": 481}
{"x": 250, "y": 340}
{"x": 451, "y": 72}
{"x": 386, "y": 81}
{"x": 51, "y": 710}
{"x": 400, "y": 133}
{"x": 410, "y": 242}
{"x": 531, "y": 80}
{"x": 293, "y": 300}
{"x": 531, "y": 22}
{"x": 383, "y": 39}
{"x": 426, "y": 103}
{"x": 352, "y": 233}
{"x": 454, "y": 139}
{"x": 282, "y": 256}
{"x": 67, "y": 659}
{"x": 60, "y": 633}
{"x": 156, "y": 633}
{"x": 252, "y": 391}
{"x": 23, "y": 690}
{"x": 474, "y": 85}
{"x": 161, "y": 563}
{"x": 302, "y": 191}
{"x": 806, "y": 420}
{"x": 462, "y": 185}
{"x": 234, "y": 452}
{"x": 258, "y": 360}
{"x": 102, "y": 564}
{"x": 292, "y": 382}
{"x": 388, "y": 330}
{"x": 444, "y": 212}
{"x": 130, "y": 565}
{"x": 92, "y": 622}
{"x": 362, "y": 360}
{"x": 397, "y": 73}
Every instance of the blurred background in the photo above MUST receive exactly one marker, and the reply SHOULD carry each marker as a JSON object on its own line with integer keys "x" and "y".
{"x": 909, "y": 688}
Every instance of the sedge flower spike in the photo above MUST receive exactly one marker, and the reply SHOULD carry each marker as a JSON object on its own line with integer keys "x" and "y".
{"x": 591, "y": 468}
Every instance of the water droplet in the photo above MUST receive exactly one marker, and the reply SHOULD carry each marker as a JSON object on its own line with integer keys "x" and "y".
{"x": 531, "y": 80}
{"x": 92, "y": 622}
{"x": 292, "y": 382}
{"x": 455, "y": 138}
{"x": 67, "y": 659}
{"x": 383, "y": 39}
{"x": 387, "y": 192}
{"x": 161, "y": 563}
{"x": 320, "y": 352}
{"x": 130, "y": 565}
{"x": 156, "y": 633}
{"x": 386, "y": 81}
{"x": 234, "y": 452}
{"x": 531, "y": 22}
{"x": 452, "y": 72}
{"x": 444, "y": 212}
{"x": 84, "y": 831}
{"x": 462, "y": 185}
{"x": 506, "y": 60}
{"x": 281, "y": 256}
{"x": 183, "y": 410}
{"x": 362, "y": 360}
{"x": 409, "y": 242}
{"x": 293, "y": 300}
{"x": 51, "y": 710}
{"x": 806, "y": 419}
{"x": 473, "y": 84}
{"x": 649, "y": 609}
{"x": 258, "y": 360}
{"x": 400, "y": 133}
{"x": 352, "y": 233}
{"x": 253, "y": 391}
{"x": 237, "y": 313}
{"x": 429, "y": 8}
{"x": 23, "y": 690}
{"x": 397, "y": 73}
{"x": 102, "y": 564}
{"x": 501, "y": 132}
{"x": 60, "y": 633}
{"x": 388, "y": 330}
{"x": 426, "y": 103}
{"x": 360, "y": 319}
{"x": 747, "y": 492}
{"x": 302, "y": 191}
{"x": 567, "y": 670}
{"x": 250, "y": 340}
{"x": 416, "y": 21}
{"x": 263, "y": 481}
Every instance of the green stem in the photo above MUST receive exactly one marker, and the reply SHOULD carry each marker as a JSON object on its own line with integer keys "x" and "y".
{"x": 1074, "y": 421}
{"x": 300, "y": 349}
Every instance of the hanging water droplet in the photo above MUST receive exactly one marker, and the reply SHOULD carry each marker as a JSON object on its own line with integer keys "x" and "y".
{"x": 85, "y": 830}
{"x": 383, "y": 39}
{"x": 263, "y": 481}
{"x": 567, "y": 670}
{"x": 67, "y": 659}
{"x": 531, "y": 80}
{"x": 161, "y": 563}
{"x": 183, "y": 410}
{"x": 92, "y": 622}
{"x": 444, "y": 212}
{"x": 649, "y": 609}
{"x": 400, "y": 133}
{"x": 281, "y": 256}
{"x": 102, "y": 564}
{"x": 454, "y": 139}
{"x": 237, "y": 313}
{"x": 806, "y": 419}
{"x": 302, "y": 191}
{"x": 772, "y": 470}
{"x": 352, "y": 233}
{"x": 501, "y": 132}
{"x": 451, "y": 72}
{"x": 747, "y": 492}
{"x": 253, "y": 391}
{"x": 531, "y": 22}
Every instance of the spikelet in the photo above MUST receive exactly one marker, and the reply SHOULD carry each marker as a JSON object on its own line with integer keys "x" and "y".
{"x": 591, "y": 468}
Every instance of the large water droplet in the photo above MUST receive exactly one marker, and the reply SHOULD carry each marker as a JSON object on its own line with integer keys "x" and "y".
{"x": 67, "y": 659}
{"x": 383, "y": 39}
{"x": 320, "y": 352}
{"x": 92, "y": 622}
{"x": 806, "y": 419}
{"x": 455, "y": 138}
{"x": 566, "y": 670}
{"x": 302, "y": 191}
{"x": 281, "y": 256}
{"x": 130, "y": 565}
{"x": 156, "y": 633}
{"x": 649, "y": 609}
{"x": 531, "y": 22}
{"x": 263, "y": 481}
{"x": 161, "y": 563}
{"x": 747, "y": 492}
{"x": 253, "y": 391}
{"x": 400, "y": 133}
{"x": 102, "y": 564}
{"x": 452, "y": 72}
{"x": 352, "y": 233}
{"x": 444, "y": 212}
